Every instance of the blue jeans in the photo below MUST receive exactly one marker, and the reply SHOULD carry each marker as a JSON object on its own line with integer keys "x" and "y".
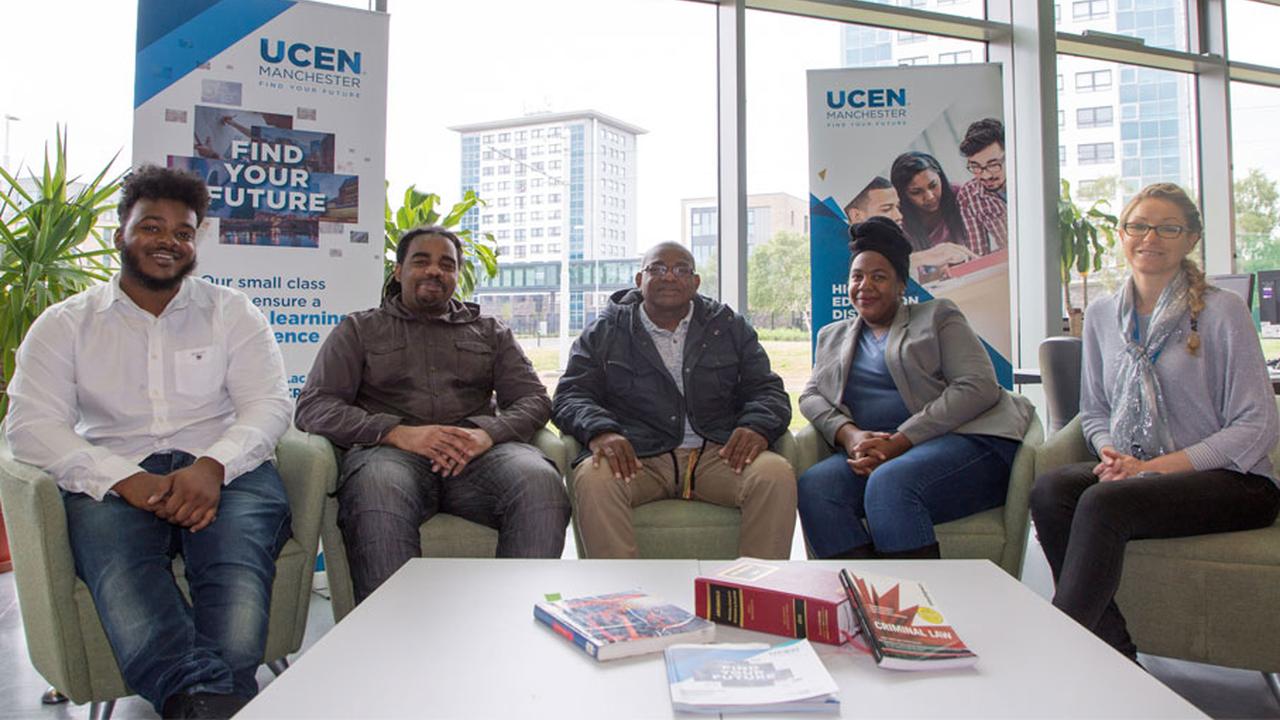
{"x": 162, "y": 644}
{"x": 943, "y": 479}
{"x": 386, "y": 494}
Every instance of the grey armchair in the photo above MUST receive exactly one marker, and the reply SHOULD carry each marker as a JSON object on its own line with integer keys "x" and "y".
{"x": 1060, "y": 359}
{"x": 1204, "y": 598}
{"x": 442, "y": 536}
{"x": 65, "y": 639}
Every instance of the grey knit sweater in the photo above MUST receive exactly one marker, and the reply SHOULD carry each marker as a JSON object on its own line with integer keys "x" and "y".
{"x": 1220, "y": 405}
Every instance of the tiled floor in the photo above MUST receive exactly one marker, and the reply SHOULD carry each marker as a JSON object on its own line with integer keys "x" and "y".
{"x": 1219, "y": 692}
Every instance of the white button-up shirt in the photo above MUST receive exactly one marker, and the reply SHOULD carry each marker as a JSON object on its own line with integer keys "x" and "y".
{"x": 101, "y": 384}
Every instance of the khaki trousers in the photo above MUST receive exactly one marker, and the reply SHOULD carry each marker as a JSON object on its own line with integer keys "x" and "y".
{"x": 765, "y": 492}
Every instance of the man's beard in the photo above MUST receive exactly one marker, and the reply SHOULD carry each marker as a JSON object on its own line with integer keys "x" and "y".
{"x": 131, "y": 267}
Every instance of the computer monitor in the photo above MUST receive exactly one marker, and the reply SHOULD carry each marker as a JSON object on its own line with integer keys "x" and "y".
{"x": 1241, "y": 285}
{"x": 1268, "y": 298}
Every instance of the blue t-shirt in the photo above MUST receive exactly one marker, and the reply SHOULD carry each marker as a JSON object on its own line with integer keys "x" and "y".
{"x": 869, "y": 392}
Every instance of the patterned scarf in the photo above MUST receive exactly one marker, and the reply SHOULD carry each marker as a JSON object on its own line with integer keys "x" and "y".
{"x": 1138, "y": 425}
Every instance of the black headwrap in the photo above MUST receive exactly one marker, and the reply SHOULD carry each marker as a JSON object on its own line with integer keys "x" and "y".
{"x": 885, "y": 237}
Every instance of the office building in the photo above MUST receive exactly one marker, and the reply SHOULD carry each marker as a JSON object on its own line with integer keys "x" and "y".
{"x": 767, "y": 215}
{"x": 553, "y": 181}
{"x": 554, "y": 184}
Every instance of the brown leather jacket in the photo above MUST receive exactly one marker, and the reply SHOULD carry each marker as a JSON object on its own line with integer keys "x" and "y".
{"x": 385, "y": 367}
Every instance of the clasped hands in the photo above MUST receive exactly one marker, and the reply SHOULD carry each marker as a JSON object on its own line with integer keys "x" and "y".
{"x": 867, "y": 449}
{"x": 1116, "y": 465}
{"x": 188, "y": 497}
{"x": 611, "y": 447}
{"x": 449, "y": 448}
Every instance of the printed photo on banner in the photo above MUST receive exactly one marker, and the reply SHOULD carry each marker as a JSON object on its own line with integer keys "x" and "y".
{"x": 924, "y": 148}
{"x": 272, "y": 182}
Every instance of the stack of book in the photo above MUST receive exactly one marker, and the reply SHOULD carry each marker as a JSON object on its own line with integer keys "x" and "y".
{"x": 897, "y": 619}
{"x": 902, "y": 625}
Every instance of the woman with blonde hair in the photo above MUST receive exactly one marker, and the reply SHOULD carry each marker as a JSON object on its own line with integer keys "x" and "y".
{"x": 1176, "y": 402}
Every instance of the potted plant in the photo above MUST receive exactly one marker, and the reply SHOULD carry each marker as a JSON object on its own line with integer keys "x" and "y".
{"x": 1086, "y": 236}
{"x": 51, "y": 247}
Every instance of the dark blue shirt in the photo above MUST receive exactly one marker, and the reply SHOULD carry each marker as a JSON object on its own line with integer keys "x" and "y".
{"x": 869, "y": 392}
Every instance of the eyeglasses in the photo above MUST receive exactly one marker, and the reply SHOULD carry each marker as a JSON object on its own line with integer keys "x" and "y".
{"x": 993, "y": 166}
{"x": 1137, "y": 230}
{"x": 680, "y": 271}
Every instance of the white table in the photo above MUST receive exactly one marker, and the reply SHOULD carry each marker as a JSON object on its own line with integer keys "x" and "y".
{"x": 457, "y": 638}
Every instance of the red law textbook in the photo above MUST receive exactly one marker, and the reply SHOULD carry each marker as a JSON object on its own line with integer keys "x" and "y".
{"x": 792, "y": 600}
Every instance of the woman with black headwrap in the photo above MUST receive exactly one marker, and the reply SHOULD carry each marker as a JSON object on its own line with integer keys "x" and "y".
{"x": 908, "y": 397}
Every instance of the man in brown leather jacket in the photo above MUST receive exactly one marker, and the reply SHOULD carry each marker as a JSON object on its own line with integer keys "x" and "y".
{"x": 435, "y": 405}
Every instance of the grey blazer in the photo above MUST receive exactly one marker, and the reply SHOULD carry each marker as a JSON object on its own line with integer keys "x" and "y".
{"x": 939, "y": 366}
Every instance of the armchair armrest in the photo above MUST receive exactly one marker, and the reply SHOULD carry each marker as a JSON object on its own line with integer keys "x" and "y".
{"x": 309, "y": 470}
{"x": 787, "y": 448}
{"x": 1063, "y": 448}
{"x": 810, "y": 449}
{"x": 43, "y": 567}
{"x": 552, "y": 446}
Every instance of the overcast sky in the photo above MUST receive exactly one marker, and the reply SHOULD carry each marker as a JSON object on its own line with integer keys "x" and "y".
{"x": 648, "y": 62}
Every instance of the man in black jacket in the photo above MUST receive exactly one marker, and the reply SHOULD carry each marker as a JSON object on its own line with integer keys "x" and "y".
{"x": 672, "y": 394}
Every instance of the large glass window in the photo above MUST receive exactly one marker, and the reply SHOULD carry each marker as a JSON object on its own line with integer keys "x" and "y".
{"x": 963, "y": 8}
{"x": 1254, "y": 110}
{"x": 1251, "y": 32}
{"x": 1160, "y": 23}
{"x": 1132, "y": 126}
{"x": 608, "y": 148}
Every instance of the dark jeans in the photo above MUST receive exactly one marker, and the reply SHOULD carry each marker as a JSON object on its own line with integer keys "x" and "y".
{"x": 162, "y": 644}
{"x": 943, "y": 479}
{"x": 387, "y": 493}
{"x": 1083, "y": 525}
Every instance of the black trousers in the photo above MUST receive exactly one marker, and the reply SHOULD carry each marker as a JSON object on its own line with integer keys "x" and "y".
{"x": 1083, "y": 525}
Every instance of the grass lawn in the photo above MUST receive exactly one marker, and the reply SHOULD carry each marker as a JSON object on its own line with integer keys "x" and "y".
{"x": 1271, "y": 348}
{"x": 790, "y": 359}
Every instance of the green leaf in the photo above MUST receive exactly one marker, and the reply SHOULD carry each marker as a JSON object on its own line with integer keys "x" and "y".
{"x": 50, "y": 244}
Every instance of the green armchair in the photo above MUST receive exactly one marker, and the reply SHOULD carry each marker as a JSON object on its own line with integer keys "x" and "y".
{"x": 1205, "y": 598}
{"x": 442, "y": 536}
{"x": 680, "y": 528}
{"x": 65, "y": 639}
{"x": 999, "y": 534}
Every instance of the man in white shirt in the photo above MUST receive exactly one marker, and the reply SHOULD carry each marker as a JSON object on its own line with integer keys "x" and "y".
{"x": 156, "y": 401}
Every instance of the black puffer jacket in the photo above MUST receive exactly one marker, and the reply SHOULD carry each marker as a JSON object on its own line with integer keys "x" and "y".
{"x": 616, "y": 381}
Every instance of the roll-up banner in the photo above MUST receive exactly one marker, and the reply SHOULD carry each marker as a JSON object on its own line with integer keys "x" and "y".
{"x": 888, "y": 141}
{"x": 281, "y": 107}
